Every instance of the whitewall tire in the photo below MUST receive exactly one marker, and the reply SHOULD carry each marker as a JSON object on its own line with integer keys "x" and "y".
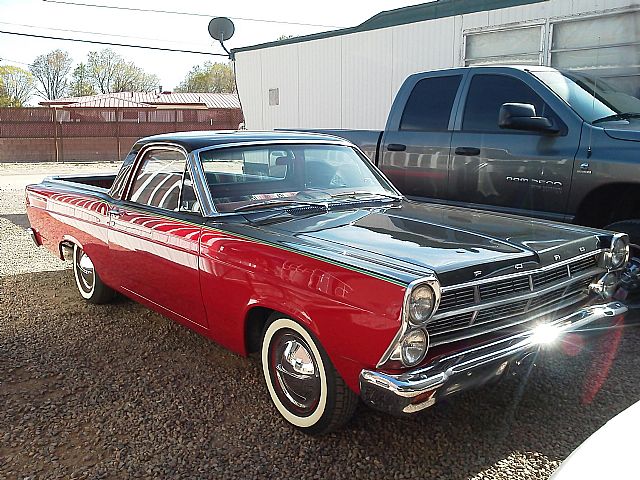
{"x": 302, "y": 382}
{"x": 89, "y": 284}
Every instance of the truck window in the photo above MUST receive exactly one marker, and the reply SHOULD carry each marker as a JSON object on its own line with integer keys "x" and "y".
{"x": 429, "y": 105}
{"x": 159, "y": 179}
{"x": 486, "y": 95}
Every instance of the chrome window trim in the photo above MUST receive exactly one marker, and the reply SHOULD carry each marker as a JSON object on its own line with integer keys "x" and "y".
{"x": 432, "y": 281}
{"x": 472, "y": 283}
{"x": 190, "y": 163}
{"x": 211, "y": 210}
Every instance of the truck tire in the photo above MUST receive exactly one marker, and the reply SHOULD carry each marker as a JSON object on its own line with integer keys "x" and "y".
{"x": 89, "y": 284}
{"x": 630, "y": 227}
{"x": 301, "y": 380}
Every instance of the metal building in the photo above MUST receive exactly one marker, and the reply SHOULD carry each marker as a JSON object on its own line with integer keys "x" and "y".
{"x": 348, "y": 78}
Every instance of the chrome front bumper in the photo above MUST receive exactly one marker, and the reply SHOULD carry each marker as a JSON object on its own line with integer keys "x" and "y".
{"x": 417, "y": 389}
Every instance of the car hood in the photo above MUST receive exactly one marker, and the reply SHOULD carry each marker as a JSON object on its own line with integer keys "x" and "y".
{"x": 458, "y": 244}
{"x": 624, "y": 130}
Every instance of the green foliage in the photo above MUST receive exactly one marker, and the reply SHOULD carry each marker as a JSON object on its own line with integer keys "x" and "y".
{"x": 51, "y": 72}
{"x": 81, "y": 84}
{"x": 209, "y": 78}
{"x": 110, "y": 73}
{"x": 16, "y": 86}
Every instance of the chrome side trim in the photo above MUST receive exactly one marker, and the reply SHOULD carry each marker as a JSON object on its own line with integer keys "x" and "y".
{"x": 522, "y": 274}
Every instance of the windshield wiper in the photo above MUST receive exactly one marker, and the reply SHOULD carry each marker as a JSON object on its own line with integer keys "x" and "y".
{"x": 370, "y": 195}
{"x": 617, "y": 116}
{"x": 278, "y": 202}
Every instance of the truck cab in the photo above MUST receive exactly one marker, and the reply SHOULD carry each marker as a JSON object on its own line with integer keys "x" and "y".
{"x": 517, "y": 139}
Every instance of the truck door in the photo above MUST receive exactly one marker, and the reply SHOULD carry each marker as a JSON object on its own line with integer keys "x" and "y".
{"x": 523, "y": 172}
{"x": 154, "y": 245}
{"x": 417, "y": 140}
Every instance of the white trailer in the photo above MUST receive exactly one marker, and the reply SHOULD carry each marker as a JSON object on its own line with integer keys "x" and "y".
{"x": 348, "y": 78}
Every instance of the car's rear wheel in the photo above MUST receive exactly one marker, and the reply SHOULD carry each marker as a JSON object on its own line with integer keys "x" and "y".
{"x": 302, "y": 382}
{"x": 88, "y": 281}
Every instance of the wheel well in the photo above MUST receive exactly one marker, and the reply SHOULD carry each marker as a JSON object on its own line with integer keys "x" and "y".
{"x": 254, "y": 326}
{"x": 596, "y": 208}
{"x": 61, "y": 248}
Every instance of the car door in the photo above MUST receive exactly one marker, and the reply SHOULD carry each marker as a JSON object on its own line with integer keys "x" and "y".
{"x": 154, "y": 235}
{"x": 523, "y": 172}
{"x": 417, "y": 140}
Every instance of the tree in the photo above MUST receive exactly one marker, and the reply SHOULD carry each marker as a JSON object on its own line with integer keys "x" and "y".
{"x": 210, "y": 77}
{"x": 109, "y": 73}
{"x": 81, "y": 84}
{"x": 16, "y": 86}
{"x": 51, "y": 72}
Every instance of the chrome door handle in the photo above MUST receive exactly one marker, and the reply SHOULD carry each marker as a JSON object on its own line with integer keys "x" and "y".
{"x": 115, "y": 212}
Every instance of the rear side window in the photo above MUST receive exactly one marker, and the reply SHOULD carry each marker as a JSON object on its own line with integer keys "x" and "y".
{"x": 486, "y": 95}
{"x": 429, "y": 105}
{"x": 159, "y": 179}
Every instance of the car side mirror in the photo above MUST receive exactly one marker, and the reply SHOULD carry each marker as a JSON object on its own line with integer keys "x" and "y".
{"x": 522, "y": 116}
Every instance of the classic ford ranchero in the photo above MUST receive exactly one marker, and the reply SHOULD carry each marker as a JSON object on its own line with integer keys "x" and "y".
{"x": 294, "y": 246}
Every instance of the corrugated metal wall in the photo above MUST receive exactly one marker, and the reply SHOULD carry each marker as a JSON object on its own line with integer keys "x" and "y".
{"x": 350, "y": 81}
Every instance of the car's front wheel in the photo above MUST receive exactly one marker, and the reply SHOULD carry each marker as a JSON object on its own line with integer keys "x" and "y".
{"x": 302, "y": 382}
{"x": 88, "y": 281}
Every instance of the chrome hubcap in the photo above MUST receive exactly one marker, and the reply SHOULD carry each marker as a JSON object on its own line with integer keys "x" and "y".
{"x": 86, "y": 272}
{"x": 296, "y": 373}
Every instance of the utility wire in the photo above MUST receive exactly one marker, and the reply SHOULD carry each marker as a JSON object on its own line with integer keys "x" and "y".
{"x": 3, "y": 59}
{"x": 98, "y": 33}
{"x": 112, "y": 43}
{"x": 193, "y": 14}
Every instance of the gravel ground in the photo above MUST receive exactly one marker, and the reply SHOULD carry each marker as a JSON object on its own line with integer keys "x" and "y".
{"x": 118, "y": 391}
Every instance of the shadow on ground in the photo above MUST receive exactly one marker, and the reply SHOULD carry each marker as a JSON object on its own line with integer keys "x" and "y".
{"x": 119, "y": 391}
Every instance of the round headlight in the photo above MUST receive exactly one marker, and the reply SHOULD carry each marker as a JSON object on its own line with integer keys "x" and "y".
{"x": 619, "y": 251}
{"x": 421, "y": 304}
{"x": 414, "y": 347}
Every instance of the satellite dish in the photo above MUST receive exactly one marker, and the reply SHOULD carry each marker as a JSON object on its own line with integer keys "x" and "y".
{"x": 221, "y": 28}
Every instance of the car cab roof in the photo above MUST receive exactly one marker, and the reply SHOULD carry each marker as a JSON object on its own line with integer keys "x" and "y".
{"x": 200, "y": 139}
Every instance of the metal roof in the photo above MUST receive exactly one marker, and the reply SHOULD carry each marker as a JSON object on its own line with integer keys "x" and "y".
{"x": 152, "y": 99}
{"x": 401, "y": 16}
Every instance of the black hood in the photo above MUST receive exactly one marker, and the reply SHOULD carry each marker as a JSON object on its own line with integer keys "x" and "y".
{"x": 458, "y": 244}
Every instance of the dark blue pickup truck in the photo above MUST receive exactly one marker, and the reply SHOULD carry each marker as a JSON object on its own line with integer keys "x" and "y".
{"x": 527, "y": 140}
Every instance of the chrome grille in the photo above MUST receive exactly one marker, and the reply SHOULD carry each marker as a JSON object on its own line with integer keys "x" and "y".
{"x": 511, "y": 300}
{"x": 504, "y": 287}
{"x": 583, "y": 265}
{"x": 495, "y": 313}
{"x": 549, "y": 276}
{"x": 457, "y": 299}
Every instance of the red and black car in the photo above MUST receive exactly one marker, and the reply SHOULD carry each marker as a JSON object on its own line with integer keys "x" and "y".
{"x": 293, "y": 245}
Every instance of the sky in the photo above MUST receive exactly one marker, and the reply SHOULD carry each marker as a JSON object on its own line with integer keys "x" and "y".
{"x": 50, "y": 17}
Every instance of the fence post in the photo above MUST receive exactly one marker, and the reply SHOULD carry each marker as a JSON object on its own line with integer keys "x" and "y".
{"x": 55, "y": 134}
{"x": 118, "y": 134}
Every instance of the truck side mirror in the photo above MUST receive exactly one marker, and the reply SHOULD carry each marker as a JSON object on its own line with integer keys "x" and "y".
{"x": 522, "y": 116}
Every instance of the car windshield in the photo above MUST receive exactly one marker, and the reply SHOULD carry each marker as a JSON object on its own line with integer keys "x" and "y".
{"x": 592, "y": 98}
{"x": 242, "y": 179}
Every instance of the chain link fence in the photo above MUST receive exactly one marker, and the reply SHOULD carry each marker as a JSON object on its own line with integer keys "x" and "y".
{"x": 42, "y": 134}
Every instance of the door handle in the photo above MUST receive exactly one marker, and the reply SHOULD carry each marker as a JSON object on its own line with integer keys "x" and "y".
{"x": 396, "y": 147}
{"x": 467, "y": 151}
{"x": 115, "y": 212}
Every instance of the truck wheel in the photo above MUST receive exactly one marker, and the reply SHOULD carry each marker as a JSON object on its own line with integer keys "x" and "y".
{"x": 302, "y": 382}
{"x": 88, "y": 281}
{"x": 630, "y": 227}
